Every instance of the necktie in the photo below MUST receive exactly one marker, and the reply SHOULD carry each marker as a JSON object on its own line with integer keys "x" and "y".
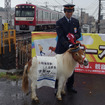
{"x": 69, "y": 21}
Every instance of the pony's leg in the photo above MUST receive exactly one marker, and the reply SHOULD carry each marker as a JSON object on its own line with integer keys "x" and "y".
{"x": 60, "y": 85}
{"x": 63, "y": 88}
{"x": 33, "y": 88}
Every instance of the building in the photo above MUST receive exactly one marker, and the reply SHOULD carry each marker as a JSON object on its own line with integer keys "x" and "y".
{"x": 4, "y": 20}
{"x": 102, "y": 26}
{"x": 87, "y": 23}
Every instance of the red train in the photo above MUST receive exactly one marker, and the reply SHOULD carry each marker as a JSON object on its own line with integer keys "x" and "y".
{"x": 31, "y": 17}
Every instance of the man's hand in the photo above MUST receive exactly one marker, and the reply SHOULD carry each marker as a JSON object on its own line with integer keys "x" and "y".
{"x": 71, "y": 38}
{"x": 70, "y": 45}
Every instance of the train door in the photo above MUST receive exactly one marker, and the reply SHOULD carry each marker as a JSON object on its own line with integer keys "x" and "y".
{"x": 36, "y": 16}
{"x": 42, "y": 16}
{"x": 50, "y": 17}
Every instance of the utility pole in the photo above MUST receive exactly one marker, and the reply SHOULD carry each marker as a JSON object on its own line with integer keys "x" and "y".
{"x": 54, "y": 7}
{"x": 46, "y": 4}
{"x": 7, "y": 5}
{"x": 71, "y": 1}
{"x": 81, "y": 18}
{"x": 99, "y": 15}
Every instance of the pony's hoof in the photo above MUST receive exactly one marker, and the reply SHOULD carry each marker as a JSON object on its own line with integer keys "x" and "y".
{"x": 35, "y": 102}
{"x": 60, "y": 99}
{"x": 35, "y": 99}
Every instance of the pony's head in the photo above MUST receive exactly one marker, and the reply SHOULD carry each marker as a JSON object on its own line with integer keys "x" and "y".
{"x": 78, "y": 54}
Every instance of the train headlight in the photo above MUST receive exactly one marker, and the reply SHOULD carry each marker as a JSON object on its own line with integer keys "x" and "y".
{"x": 16, "y": 6}
{"x": 32, "y": 6}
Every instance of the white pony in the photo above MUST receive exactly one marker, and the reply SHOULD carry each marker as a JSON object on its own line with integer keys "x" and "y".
{"x": 66, "y": 64}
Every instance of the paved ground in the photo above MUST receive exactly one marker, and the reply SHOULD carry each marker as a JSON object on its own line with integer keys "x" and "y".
{"x": 91, "y": 91}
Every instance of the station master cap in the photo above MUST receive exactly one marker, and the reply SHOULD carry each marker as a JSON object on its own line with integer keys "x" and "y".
{"x": 69, "y": 8}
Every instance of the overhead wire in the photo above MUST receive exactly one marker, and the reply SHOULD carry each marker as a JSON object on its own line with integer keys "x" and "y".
{"x": 93, "y": 7}
{"x": 88, "y": 8}
{"x": 92, "y": 4}
{"x": 65, "y": 1}
{"x": 57, "y": 2}
{"x": 95, "y": 10}
{"x": 36, "y": 2}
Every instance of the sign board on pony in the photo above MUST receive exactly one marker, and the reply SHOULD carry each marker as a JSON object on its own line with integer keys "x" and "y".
{"x": 44, "y": 43}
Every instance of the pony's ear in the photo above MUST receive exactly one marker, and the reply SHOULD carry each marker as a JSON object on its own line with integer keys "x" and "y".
{"x": 78, "y": 44}
{"x": 83, "y": 47}
{"x": 71, "y": 50}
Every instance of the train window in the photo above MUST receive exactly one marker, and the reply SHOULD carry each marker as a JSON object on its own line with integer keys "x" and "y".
{"x": 40, "y": 15}
{"x": 30, "y": 6}
{"x": 25, "y": 12}
{"x": 37, "y": 14}
{"x": 60, "y": 16}
{"x": 46, "y": 15}
{"x": 43, "y": 14}
{"x": 54, "y": 16}
{"x": 49, "y": 16}
{"x": 17, "y": 13}
{"x": 27, "y": 6}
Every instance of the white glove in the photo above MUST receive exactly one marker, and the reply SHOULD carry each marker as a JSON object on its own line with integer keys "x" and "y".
{"x": 70, "y": 45}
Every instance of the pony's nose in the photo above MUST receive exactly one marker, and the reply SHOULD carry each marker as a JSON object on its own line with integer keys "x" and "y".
{"x": 85, "y": 62}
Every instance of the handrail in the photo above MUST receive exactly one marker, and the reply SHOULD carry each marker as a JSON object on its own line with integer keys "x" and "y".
{"x": 7, "y": 36}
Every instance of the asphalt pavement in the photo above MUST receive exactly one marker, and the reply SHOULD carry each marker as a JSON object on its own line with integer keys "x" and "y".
{"x": 90, "y": 87}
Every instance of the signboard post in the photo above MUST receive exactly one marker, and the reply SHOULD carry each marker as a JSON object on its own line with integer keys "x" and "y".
{"x": 5, "y": 26}
{"x": 0, "y": 23}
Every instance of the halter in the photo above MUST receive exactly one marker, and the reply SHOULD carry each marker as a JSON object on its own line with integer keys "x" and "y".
{"x": 75, "y": 50}
{"x": 83, "y": 59}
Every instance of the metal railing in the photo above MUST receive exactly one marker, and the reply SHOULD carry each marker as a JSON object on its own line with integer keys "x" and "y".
{"x": 7, "y": 37}
{"x": 23, "y": 51}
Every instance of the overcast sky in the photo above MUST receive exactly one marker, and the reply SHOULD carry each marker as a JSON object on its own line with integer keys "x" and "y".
{"x": 89, "y": 6}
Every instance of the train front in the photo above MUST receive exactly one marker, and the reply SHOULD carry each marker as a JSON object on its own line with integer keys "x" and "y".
{"x": 25, "y": 19}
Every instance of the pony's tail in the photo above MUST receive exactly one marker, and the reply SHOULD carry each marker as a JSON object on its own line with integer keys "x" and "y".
{"x": 25, "y": 79}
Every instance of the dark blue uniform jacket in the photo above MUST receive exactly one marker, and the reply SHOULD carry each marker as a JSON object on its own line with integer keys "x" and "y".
{"x": 63, "y": 27}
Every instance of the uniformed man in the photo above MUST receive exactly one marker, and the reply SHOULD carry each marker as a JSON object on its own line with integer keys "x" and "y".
{"x": 68, "y": 31}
